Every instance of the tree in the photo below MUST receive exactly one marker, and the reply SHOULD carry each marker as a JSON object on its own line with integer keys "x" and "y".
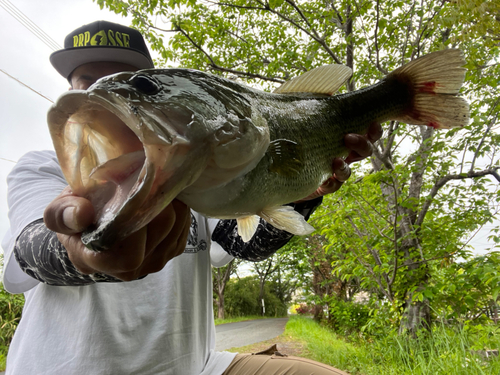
{"x": 314, "y": 264}
{"x": 220, "y": 278}
{"x": 425, "y": 192}
{"x": 242, "y": 298}
{"x": 264, "y": 270}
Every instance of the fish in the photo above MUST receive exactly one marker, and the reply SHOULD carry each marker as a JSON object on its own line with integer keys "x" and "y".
{"x": 134, "y": 141}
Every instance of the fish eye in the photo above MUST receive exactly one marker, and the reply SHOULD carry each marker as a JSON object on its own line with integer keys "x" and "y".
{"x": 145, "y": 84}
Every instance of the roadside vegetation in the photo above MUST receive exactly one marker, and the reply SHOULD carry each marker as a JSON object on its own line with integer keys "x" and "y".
{"x": 444, "y": 350}
{"x": 238, "y": 319}
{"x": 11, "y": 307}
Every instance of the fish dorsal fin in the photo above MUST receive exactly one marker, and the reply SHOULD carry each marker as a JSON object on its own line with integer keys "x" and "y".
{"x": 286, "y": 218}
{"x": 286, "y": 157}
{"x": 247, "y": 226}
{"x": 325, "y": 80}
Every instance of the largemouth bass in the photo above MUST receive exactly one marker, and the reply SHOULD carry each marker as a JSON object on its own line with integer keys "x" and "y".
{"x": 134, "y": 141}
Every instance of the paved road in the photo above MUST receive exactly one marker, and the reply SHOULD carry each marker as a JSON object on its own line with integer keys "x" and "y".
{"x": 232, "y": 335}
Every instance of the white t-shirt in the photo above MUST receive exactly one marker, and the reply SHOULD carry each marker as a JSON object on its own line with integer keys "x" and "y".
{"x": 162, "y": 324}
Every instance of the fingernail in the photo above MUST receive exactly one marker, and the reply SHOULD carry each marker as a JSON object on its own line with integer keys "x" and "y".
{"x": 69, "y": 217}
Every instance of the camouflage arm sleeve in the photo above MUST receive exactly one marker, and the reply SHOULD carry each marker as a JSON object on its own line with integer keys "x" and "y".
{"x": 41, "y": 256}
{"x": 266, "y": 241}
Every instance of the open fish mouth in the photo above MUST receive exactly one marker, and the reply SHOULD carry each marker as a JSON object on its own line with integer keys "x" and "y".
{"x": 103, "y": 160}
{"x": 126, "y": 157}
{"x": 101, "y": 156}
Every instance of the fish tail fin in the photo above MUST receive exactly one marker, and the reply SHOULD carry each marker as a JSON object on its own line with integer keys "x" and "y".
{"x": 435, "y": 80}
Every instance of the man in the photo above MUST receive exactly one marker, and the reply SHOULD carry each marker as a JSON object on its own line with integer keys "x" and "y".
{"x": 79, "y": 316}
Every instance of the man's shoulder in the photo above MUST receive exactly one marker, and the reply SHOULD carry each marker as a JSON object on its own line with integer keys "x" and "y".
{"x": 36, "y": 164}
{"x": 39, "y": 157}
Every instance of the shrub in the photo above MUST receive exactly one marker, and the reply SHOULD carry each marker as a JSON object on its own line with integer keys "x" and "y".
{"x": 304, "y": 309}
{"x": 11, "y": 307}
{"x": 241, "y": 298}
{"x": 346, "y": 317}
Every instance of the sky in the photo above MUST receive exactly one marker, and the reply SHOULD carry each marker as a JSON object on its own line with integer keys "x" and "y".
{"x": 26, "y": 57}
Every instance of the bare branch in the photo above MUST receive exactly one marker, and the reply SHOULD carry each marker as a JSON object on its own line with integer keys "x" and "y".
{"x": 304, "y": 18}
{"x": 394, "y": 126}
{"x": 416, "y": 180}
{"x": 312, "y": 34}
{"x": 408, "y": 30}
{"x": 350, "y": 46}
{"x": 416, "y": 52}
{"x": 488, "y": 129}
{"x": 377, "y": 51}
{"x": 446, "y": 256}
{"x": 377, "y": 259}
{"x": 443, "y": 181}
{"x": 212, "y": 65}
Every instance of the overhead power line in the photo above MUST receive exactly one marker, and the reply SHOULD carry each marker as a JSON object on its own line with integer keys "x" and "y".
{"x": 25, "y": 85}
{"x": 30, "y": 25}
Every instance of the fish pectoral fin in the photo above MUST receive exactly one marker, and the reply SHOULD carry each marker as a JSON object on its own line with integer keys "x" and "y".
{"x": 247, "y": 226}
{"x": 287, "y": 219}
{"x": 286, "y": 157}
{"x": 324, "y": 80}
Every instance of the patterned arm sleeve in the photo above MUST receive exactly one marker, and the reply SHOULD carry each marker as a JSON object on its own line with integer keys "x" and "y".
{"x": 266, "y": 241}
{"x": 41, "y": 256}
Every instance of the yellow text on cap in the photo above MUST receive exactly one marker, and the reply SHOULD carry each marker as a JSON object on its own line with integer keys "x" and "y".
{"x": 109, "y": 38}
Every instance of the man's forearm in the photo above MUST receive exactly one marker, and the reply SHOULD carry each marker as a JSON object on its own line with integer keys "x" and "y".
{"x": 41, "y": 256}
{"x": 266, "y": 241}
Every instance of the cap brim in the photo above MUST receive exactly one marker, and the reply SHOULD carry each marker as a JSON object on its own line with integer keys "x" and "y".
{"x": 67, "y": 60}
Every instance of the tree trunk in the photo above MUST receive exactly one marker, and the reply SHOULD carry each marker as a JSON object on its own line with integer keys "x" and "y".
{"x": 417, "y": 316}
{"x": 220, "y": 306}
{"x": 220, "y": 277}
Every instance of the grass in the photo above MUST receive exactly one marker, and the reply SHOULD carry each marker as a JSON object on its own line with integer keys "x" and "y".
{"x": 239, "y": 319}
{"x": 3, "y": 358}
{"x": 446, "y": 351}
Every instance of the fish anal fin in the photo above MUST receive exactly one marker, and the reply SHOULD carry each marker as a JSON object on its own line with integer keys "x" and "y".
{"x": 247, "y": 226}
{"x": 286, "y": 157}
{"x": 324, "y": 80}
{"x": 287, "y": 219}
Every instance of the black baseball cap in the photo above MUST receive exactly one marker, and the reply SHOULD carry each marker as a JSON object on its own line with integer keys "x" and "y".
{"x": 101, "y": 41}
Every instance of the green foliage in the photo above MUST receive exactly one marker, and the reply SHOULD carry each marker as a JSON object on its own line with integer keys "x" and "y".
{"x": 346, "y": 317}
{"x": 11, "y": 307}
{"x": 238, "y": 319}
{"x": 467, "y": 291}
{"x": 444, "y": 351}
{"x": 242, "y": 299}
{"x": 400, "y": 227}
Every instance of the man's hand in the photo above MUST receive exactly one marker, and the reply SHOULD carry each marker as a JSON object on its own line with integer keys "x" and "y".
{"x": 361, "y": 147}
{"x": 143, "y": 252}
